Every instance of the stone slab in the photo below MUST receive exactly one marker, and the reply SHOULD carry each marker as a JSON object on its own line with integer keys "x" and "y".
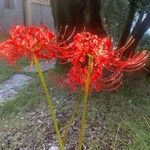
{"x": 11, "y": 87}
{"x": 45, "y": 66}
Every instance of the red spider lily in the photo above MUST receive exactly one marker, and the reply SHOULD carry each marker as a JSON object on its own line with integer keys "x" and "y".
{"x": 35, "y": 43}
{"x": 28, "y": 42}
{"x": 108, "y": 64}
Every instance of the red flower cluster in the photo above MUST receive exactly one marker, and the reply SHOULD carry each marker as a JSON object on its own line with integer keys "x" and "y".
{"x": 28, "y": 42}
{"x": 107, "y": 63}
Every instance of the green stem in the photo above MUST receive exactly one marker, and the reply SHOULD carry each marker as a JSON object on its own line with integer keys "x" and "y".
{"x": 50, "y": 105}
{"x": 74, "y": 114}
{"x": 85, "y": 102}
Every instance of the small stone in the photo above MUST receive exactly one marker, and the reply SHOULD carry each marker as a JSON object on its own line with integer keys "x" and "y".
{"x": 53, "y": 148}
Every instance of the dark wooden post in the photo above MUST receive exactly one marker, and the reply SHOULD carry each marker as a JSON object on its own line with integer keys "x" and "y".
{"x": 79, "y": 14}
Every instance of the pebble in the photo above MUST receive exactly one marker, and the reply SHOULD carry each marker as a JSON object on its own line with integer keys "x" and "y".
{"x": 53, "y": 148}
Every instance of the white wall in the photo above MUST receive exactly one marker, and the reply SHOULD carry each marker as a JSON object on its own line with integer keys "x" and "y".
{"x": 42, "y": 13}
{"x": 11, "y": 17}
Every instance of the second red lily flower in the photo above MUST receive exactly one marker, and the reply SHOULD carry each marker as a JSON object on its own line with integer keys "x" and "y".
{"x": 108, "y": 64}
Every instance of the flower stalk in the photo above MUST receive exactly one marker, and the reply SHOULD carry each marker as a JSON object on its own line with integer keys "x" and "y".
{"x": 72, "y": 119}
{"x": 85, "y": 102}
{"x": 50, "y": 105}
